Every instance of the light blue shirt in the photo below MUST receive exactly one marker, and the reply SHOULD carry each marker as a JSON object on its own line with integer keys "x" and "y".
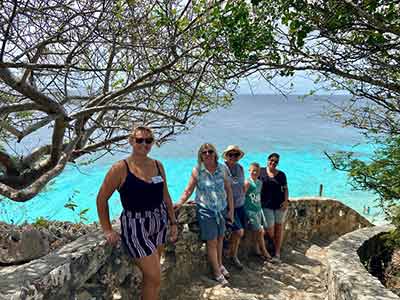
{"x": 236, "y": 179}
{"x": 210, "y": 188}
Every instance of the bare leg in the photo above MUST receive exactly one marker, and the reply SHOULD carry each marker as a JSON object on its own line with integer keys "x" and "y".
{"x": 271, "y": 233}
{"x": 278, "y": 239}
{"x": 235, "y": 242}
{"x": 212, "y": 253}
{"x": 160, "y": 251}
{"x": 254, "y": 238}
{"x": 150, "y": 267}
{"x": 220, "y": 242}
{"x": 261, "y": 243}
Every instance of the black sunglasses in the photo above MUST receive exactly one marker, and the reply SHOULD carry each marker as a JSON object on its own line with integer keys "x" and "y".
{"x": 233, "y": 154}
{"x": 143, "y": 141}
{"x": 274, "y": 161}
{"x": 209, "y": 152}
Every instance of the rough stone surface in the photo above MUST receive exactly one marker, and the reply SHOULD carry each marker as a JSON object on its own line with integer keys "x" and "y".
{"x": 316, "y": 218}
{"x": 57, "y": 275}
{"x": 391, "y": 273}
{"x": 23, "y": 243}
{"x": 300, "y": 276}
{"x": 88, "y": 267}
{"x": 347, "y": 277}
{"x": 21, "y": 246}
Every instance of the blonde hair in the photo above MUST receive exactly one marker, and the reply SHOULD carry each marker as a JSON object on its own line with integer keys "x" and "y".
{"x": 255, "y": 164}
{"x": 201, "y": 149}
{"x": 140, "y": 128}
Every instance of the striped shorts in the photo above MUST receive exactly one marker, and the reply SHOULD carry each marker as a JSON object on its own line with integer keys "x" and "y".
{"x": 143, "y": 232}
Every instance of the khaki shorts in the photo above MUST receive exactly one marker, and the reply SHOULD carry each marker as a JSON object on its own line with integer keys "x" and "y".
{"x": 274, "y": 216}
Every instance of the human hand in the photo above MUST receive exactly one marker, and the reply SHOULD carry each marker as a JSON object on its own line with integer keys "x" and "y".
{"x": 285, "y": 205}
{"x": 112, "y": 237}
{"x": 177, "y": 206}
{"x": 173, "y": 234}
{"x": 230, "y": 217}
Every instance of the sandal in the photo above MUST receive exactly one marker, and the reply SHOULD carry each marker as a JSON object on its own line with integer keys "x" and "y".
{"x": 221, "y": 279}
{"x": 236, "y": 262}
{"x": 225, "y": 272}
{"x": 276, "y": 259}
{"x": 264, "y": 257}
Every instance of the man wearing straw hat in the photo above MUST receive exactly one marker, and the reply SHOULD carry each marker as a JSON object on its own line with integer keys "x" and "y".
{"x": 232, "y": 155}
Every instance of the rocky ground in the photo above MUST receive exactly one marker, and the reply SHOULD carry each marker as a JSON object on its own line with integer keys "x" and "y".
{"x": 300, "y": 276}
{"x": 392, "y": 273}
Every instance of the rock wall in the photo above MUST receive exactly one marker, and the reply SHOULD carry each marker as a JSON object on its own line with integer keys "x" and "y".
{"x": 316, "y": 218}
{"x": 20, "y": 244}
{"x": 348, "y": 279}
{"x": 321, "y": 218}
{"x": 89, "y": 269}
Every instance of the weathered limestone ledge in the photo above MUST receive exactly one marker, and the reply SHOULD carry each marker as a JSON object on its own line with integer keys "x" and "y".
{"x": 89, "y": 269}
{"x": 320, "y": 218}
{"x": 347, "y": 277}
{"x": 64, "y": 270}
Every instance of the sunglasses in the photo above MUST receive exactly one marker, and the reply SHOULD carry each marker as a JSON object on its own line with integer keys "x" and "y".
{"x": 234, "y": 154}
{"x": 147, "y": 141}
{"x": 209, "y": 152}
{"x": 274, "y": 161}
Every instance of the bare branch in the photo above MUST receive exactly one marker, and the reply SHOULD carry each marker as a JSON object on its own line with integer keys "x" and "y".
{"x": 4, "y": 110}
{"x": 93, "y": 69}
{"x": 92, "y": 110}
{"x": 371, "y": 19}
{"x": 8, "y": 164}
{"x": 7, "y": 32}
{"x": 23, "y": 195}
{"x": 11, "y": 129}
{"x": 27, "y": 90}
{"x": 95, "y": 147}
{"x": 35, "y": 155}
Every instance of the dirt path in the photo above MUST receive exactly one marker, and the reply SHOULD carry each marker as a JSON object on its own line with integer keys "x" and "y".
{"x": 300, "y": 276}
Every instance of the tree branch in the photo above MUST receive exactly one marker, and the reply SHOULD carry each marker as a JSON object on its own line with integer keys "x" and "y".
{"x": 50, "y": 106}
{"x": 7, "y": 32}
{"x": 4, "y": 110}
{"x": 94, "y": 147}
{"x": 35, "y": 155}
{"x": 87, "y": 112}
{"x": 35, "y": 66}
{"x": 57, "y": 139}
{"x": 371, "y": 19}
{"x": 23, "y": 195}
{"x": 8, "y": 163}
{"x": 11, "y": 129}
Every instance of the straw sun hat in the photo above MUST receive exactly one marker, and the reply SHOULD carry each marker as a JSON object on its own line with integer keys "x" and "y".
{"x": 232, "y": 148}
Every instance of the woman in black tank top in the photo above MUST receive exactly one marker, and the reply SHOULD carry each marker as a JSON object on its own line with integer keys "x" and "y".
{"x": 147, "y": 207}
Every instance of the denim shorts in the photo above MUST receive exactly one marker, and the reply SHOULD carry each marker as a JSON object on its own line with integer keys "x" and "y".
{"x": 212, "y": 224}
{"x": 239, "y": 218}
{"x": 255, "y": 220}
{"x": 274, "y": 216}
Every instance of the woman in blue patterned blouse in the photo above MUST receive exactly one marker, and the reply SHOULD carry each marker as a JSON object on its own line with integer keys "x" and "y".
{"x": 213, "y": 197}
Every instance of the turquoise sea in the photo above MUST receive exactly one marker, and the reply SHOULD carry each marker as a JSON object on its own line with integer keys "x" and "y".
{"x": 259, "y": 124}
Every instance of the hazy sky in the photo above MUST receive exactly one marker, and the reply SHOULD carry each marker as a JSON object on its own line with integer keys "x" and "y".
{"x": 299, "y": 84}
